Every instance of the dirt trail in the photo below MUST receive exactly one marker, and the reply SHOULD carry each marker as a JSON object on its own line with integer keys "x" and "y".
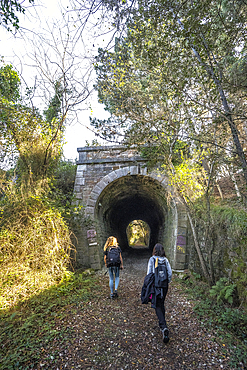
{"x": 124, "y": 334}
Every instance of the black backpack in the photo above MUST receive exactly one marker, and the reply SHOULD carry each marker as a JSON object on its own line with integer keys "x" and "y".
{"x": 161, "y": 277}
{"x": 113, "y": 257}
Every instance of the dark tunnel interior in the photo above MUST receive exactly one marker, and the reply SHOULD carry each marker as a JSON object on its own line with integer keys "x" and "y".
{"x": 130, "y": 198}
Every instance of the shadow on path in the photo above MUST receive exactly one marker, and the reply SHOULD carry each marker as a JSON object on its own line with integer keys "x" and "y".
{"x": 124, "y": 334}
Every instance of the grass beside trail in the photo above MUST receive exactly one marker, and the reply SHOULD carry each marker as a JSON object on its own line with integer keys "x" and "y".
{"x": 37, "y": 330}
{"x": 229, "y": 322}
{"x": 28, "y": 330}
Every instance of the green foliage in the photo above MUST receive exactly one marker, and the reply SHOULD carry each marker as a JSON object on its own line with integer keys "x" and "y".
{"x": 94, "y": 142}
{"x": 24, "y": 136}
{"x": 188, "y": 177}
{"x": 35, "y": 198}
{"x": 64, "y": 179}
{"x": 229, "y": 322}
{"x": 62, "y": 188}
{"x": 226, "y": 237}
{"x": 168, "y": 77}
{"x": 138, "y": 233}
{"x": 9, "y": 83}
{"x": 155, "y": 154}
{"x": 27, "y": 330}
{"x": 223, "y": 291}
{"x": 8, "y": 10}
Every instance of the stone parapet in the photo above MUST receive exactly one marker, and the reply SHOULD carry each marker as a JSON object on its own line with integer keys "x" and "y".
{"x": 107, "y": 155}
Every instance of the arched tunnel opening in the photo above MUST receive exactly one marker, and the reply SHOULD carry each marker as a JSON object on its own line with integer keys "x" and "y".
{"x": 132, "y": 197}
{"x": 138, "y": 234}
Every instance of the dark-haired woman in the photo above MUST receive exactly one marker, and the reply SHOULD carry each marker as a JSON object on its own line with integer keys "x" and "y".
{"x": 158, "y": 301}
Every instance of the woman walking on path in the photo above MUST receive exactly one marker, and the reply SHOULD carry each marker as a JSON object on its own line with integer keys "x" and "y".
{"x": 159, "y": 295}
{"x": 114, "y": 262}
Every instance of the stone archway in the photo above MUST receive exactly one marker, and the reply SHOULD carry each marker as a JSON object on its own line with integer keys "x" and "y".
{"x": 123, "y": 195}
{"x": 115, "y": 187}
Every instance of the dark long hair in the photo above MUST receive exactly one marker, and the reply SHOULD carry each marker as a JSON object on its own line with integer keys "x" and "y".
{"x": 159, "y": 250}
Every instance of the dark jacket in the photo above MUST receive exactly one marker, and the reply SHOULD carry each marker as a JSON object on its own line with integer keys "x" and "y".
{"x": 147, "y": 288}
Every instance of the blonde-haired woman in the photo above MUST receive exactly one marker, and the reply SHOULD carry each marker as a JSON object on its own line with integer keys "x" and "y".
{"x": 114, "y": 262}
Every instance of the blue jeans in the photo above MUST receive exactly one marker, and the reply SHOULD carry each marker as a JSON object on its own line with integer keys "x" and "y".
{"x": 113, "y": 271}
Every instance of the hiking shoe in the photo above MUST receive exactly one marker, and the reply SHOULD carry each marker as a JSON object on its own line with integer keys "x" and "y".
{"x": 115, "y": 294}
{"x": 165, "y": 335}
{"x": 112, "y": 296}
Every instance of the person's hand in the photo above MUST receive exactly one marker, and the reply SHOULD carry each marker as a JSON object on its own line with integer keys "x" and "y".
{"x": 121, "y": 267}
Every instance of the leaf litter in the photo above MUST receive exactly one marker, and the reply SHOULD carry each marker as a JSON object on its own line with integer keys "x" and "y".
{"x": 124, "y": 334}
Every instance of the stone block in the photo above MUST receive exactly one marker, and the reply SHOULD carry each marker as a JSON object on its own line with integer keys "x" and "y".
{"x": 182, "y": 223}
{"x": 122, "y": 172}
{"x": 89, "y": 211}
{"x": 133, "y": 170}
{"x": 93, "y": 249}
{"x": 182, "y": 231}
{"x": 79, "y": 174}
{"x": 101, "y": 185}
{"x": 91, "y": 203}
{"x": 180, "y": 257}
{"x": 180, "y": 266}
{"x": 181, "y": 240}
{"x": 77, "y": 189}
{"x": 182, "y": 215}
{"x": 79, "y": 181}
{"x": 156, "y": 176}
{"x": 112, "y": 176}
{"x": 96, "y": 266}
{"x": 97, "y": 189}
{"x": 181, "y": 249}
{"x": 182, "y": 219}
{"x": 81, "y": 167}
{"x": 107, "y": 179}
{"x": 94, "y": 260}
{"x": 143, "y": 170}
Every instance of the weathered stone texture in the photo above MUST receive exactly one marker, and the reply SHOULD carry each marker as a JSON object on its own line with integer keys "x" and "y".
{"x": 115, "y": 187}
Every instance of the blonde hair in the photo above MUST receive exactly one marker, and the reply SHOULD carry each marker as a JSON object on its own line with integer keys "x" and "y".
{"x": 111, "y": 242}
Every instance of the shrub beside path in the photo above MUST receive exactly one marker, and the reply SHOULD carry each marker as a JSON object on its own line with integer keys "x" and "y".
{"x": 124, "y": 334}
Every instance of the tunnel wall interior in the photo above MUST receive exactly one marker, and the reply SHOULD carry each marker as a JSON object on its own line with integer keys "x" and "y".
{"x": 129, "y": 198}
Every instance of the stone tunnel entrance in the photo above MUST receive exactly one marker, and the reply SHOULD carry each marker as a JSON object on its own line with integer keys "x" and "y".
{"x": 132, "y": 198}
{"x": 115, "y": 188}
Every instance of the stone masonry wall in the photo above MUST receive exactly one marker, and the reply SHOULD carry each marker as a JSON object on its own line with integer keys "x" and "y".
{"x": 96, "y": 163}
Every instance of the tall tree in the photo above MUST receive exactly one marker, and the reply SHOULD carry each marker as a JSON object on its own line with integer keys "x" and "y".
{"x": 195, "y": 46}
{"x": 24, "y": 135}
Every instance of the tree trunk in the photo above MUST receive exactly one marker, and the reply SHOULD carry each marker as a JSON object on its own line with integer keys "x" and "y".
{"x": 198, "y": 249}
{"x": 235, "y": 183}
{"x": 228, "y": 114}
{"x": 227, "y": 111}
{"x": 219, "y": 189}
